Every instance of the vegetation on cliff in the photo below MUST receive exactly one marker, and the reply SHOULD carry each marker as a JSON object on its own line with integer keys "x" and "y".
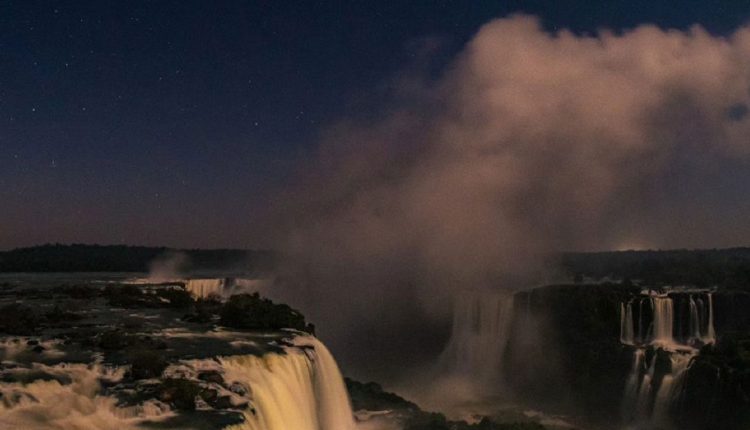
{"x": 250, "y": 311}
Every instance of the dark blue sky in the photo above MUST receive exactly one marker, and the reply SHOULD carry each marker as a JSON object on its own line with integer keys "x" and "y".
{"x": 171, "y": 122}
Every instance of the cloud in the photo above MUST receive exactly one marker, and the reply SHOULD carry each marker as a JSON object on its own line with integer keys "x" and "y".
{"x": 531, "y": 142}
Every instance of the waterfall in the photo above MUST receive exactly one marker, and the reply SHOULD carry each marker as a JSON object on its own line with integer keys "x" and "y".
{"x": 641, "y": 334}
{"x": 301, "y": 389}
{"x": 679, "y": 364}
{"x": 695, "y": 321}
{"x": 630, "y": 398}
{"x": 626, "y": 323}
{"x": 203, "y": 288}
{"x": 643, "y": 401}
{"x": 663, "y": 320}
{"x": 481, "y": 328}
{"x": 649, "y": 391}
{"x": 710, "y": 331}
{"x": 71, "y": 398}
{"x": 223, "y": 288}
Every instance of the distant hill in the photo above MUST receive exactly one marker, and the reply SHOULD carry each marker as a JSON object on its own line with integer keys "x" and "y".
{"x": 707, "y": 267}
{"x": 121, "y": 258}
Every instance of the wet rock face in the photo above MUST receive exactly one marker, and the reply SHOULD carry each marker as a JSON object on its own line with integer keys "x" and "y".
{"x": 567, "y": 336}
{"x": 212, "y": 376}
{"x": 145, "y": 364}
{"x": 134, "y": 296}
{"x": 18, "y": 319}
{"x": 180, "y": 393}
{"x": 732, "y": 310}
{"x": 579, "y": 325}
{"x": 716, "y": 393}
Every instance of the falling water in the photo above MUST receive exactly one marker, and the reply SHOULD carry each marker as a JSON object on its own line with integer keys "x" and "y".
{"x": 626, "y": 323}
{"x": 649, "y": 394}
{"x": 630, "y": 398}
{"x": 695, "y": 321}
{"x": 663, "y": 320}
{"x": 667, "y": 390}
{"x": 301, "y": 389}
{"x": 203, "y": 288}
{"x": 641, "y": 333}
{"x": 643, "y": 401}
{"x": 710, "y": 331}
{"x": 224, "y": 288}
{"x": 481, "y": 328}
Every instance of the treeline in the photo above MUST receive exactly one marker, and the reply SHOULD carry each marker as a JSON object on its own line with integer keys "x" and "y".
{"x": 122, "y": 258}
{"x": 728, "y": 268}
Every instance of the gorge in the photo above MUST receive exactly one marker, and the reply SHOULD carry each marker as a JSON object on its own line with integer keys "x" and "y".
{"x": 95, "y": 351}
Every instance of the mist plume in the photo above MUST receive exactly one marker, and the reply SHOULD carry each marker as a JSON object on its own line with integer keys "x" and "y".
{"x": 531, "y": 142}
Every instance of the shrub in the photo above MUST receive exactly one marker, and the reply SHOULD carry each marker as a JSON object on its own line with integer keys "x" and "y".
{"x": 177, "y": 298}
{"x": 250, "y": 311}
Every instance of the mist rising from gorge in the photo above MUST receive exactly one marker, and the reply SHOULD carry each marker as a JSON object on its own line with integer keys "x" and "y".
{"x": 530, "y": 143}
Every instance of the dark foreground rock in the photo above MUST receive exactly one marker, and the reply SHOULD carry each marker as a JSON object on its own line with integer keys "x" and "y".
{"x": 371, "y": 396}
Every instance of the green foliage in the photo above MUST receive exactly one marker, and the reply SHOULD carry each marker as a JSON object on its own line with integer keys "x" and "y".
{"x": 250, "y": 311}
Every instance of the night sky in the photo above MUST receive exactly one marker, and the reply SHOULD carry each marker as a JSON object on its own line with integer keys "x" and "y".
{"x": 174, "y": 122}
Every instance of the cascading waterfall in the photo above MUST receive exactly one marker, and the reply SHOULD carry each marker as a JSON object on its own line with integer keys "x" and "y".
{"x": 663, "y": 320}
{"x": 649, "y": 391}
{"x": 479, "y": 337}
{"x": 660, "y": 331}
{"x": 223, "y": 288}
{"x": 626, "y": 323}
{"x": 71, "y": 399}
{"x": 203, "y": 288}
{"x": 301, "y": 389}
{"x": 679, "y": 363}
{"x": 710, "y": 331}
{"x": 695, "y": 322}
{"x": 298, "y": 389}
{"x": 630, "y": 398}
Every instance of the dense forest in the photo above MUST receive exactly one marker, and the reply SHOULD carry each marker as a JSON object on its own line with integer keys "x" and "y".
{"x": 121, "y": 258}
{"x": 729, "y": 268}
